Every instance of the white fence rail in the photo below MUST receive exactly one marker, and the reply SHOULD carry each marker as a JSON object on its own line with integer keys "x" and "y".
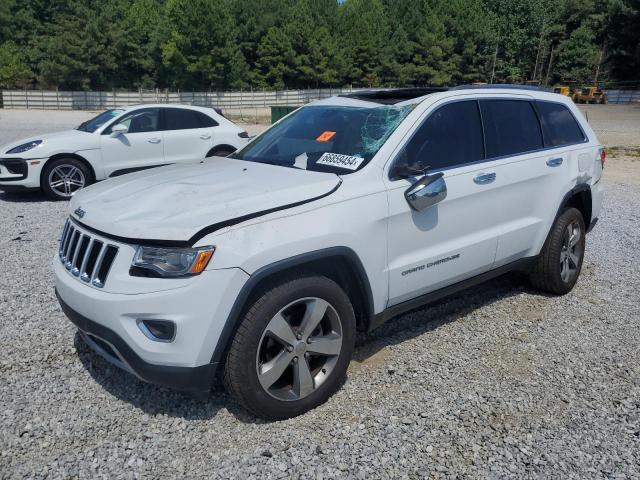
{"x": 623, "y": 96}
{"x": 237, "y": 100}
{"x": 59, "y": 100}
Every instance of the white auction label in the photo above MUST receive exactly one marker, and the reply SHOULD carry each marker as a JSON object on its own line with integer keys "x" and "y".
{"x": 341, "y": 161}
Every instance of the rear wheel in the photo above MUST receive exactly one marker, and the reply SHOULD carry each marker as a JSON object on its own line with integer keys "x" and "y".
{"x": 62, "y": 178}
{"x": 293, "y": 347}
{"x": 561, "y": 258}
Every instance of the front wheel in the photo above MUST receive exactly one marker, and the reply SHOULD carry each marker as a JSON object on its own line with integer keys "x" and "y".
{"x": 292, "y": 348}
{"x": 560, "y": 260}
{"x": 62, "y": 178}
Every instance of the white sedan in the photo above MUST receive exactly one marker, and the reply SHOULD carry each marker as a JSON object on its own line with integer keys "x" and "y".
{"x": 117, "y": 141}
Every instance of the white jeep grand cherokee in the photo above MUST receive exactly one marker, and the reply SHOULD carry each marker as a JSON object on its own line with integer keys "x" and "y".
{"x": 261, "y": 267}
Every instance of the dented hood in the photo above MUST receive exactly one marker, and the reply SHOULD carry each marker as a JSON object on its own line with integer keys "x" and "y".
{"x": 181, "y": 203}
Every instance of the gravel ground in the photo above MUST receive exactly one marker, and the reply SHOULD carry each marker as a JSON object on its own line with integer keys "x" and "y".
{"x": 499, "y": 382}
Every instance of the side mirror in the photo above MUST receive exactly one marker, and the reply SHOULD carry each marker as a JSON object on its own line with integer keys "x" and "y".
{"x": 426, "y": 192}
{"x": 119, "y": 129}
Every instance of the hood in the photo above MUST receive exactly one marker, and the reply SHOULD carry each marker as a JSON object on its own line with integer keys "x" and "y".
{"x": 181, "y": 203}
{"x": 46, "y": 138}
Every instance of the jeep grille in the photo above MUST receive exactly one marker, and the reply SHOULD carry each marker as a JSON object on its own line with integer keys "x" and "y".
{"x": 84, "y": 256}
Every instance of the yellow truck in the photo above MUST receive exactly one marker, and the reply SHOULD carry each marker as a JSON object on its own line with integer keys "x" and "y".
{"x": 590, "y": 95}
{"x": 562, "y": 90}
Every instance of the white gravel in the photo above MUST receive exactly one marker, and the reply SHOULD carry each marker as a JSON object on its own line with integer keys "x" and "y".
{"x": 499, "y": 382}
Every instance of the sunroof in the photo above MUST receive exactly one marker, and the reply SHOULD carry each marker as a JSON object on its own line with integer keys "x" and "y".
{"x": 394, "y": 95}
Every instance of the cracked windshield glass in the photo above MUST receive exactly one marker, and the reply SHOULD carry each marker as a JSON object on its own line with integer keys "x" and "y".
{"x": 334, "y": 139}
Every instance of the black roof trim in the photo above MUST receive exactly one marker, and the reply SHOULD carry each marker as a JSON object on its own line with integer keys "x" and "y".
{"x": 506, "y": 86}
{"x": 391, "y": 96}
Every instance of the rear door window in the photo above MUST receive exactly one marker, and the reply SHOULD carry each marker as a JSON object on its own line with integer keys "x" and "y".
{"x": 559, "y": 125}
{"x": 511, "y": 127}
{"x": 205, "y": 120}
{"x": 184, "y": 119}
{"x": 452, "y": 135}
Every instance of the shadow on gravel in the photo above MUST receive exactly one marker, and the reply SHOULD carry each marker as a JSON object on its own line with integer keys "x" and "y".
{"x": 24, "y": 197}
{"x": 432, "y": 316}
{"x": 154, "y": 400}
{"x": 151, "y": 399}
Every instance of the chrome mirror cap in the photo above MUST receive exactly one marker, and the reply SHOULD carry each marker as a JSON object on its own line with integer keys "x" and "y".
{"x": 426, "y": 192}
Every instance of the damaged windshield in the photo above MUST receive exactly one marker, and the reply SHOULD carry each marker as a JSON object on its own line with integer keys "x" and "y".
{"x": 333, "y": 139}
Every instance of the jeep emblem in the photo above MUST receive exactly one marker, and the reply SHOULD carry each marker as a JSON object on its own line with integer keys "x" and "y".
{"x": 79, "y": 212}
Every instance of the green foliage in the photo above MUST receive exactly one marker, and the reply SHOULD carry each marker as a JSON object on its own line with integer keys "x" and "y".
{"x": 578, "y": 56}
{"x": 232, "y": 44}
{"x": 13, "y": 71}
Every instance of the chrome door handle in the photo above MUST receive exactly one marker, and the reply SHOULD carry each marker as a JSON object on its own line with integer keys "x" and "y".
{"x": 554, "y": 162}
{"x": 154, "y": 140}
{"x": 484, "y": 178}
{"x": 205, "y": 137}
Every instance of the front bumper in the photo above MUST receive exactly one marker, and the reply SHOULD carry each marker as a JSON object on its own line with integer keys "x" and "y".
{"x": 115, "y": 350}
{"x": 18, "y": 174}
{"x": 199, "y": 309}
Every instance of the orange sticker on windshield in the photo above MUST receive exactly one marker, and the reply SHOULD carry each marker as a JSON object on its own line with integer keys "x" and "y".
{"x": 325, "y": 136}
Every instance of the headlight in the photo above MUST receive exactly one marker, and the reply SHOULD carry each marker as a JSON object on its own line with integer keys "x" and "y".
{"x": 25, "y": 147}
{"x": 170, "y": 262}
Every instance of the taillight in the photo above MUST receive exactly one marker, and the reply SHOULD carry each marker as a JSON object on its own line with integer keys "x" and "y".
{"x": 243, "y": 135}
{"x": 603, "y": 156}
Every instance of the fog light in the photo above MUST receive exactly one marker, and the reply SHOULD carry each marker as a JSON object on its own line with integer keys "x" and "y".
{"x": 158, "y": 330}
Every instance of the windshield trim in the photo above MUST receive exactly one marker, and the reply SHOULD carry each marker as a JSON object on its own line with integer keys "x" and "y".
{"x": 108, "y": 121}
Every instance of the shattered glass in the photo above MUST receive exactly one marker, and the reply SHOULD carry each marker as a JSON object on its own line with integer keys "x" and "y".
{"x": 380, "y": 124}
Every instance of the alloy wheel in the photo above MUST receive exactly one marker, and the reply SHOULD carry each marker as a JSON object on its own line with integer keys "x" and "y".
{"x": 299, "y": 349}
{"x": 571, "y": 252}
{"x": 65, "y": 180}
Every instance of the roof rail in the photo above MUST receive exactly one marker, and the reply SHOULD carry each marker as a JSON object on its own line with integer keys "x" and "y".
{"x": 514, "y": 86}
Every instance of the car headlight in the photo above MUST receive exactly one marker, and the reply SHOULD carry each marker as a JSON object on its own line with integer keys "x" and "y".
{"x": 170, "y": 262}
{"x": 25, "y": 147}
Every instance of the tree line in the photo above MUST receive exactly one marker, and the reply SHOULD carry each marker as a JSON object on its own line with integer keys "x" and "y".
{"x": 233, "y": 44}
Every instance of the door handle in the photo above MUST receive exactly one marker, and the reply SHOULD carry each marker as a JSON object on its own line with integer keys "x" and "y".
{"x": 555, "y": 162}
{"x": 205, "y": 137}
{"x": 154, "y": 140}
{"x": 484, "y": 178}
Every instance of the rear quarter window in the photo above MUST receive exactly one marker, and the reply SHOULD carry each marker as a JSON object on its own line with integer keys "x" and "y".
{"x": 185, "y": 119}
{"x": 559, "y": 125}
{"x": 511, "y": 127}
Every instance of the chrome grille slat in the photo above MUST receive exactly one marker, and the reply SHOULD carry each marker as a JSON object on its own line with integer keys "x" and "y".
{"x": 110, "y": 252}
{"x": 81, "y": 253}
{"x": 85, "y": 256}
{"x": 63, "y": 237}
{"x": 73, "y": 245}
{"x": 96, "y": 267}
{"x": 72, "y": 232}
{"x": 76, "y": 248}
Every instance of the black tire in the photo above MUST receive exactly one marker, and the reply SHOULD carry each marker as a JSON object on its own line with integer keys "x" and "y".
{"x": 49, "y": 179}
{"x": 243, "y": 360}
{"x": 549, "y": 274}
{"x": 219, "y": 152}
